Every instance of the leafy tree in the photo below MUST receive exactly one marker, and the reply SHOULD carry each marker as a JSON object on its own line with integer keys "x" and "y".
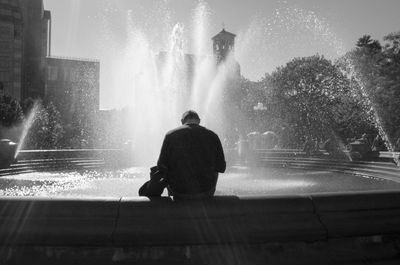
{"x": 46, "y": 129}
{"x": 54, "y": 126}
{"x": 377, "y": 71}
{"x": 390, "y": 71}
{"x": 11, "y": 115}
{"x": 81, "y": 131}
{"x": 308, "y": 96}
{"x": 367, "y": 42}
{"x": 10, "y": 111}
{"x": 251, "y": 94}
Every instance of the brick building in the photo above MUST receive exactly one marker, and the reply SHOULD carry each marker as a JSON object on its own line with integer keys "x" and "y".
{"x": 27, "y": 69}
{"x": 11, "y": 52}
{"x": 73, "y": 85}
{"x": 36, "y": 47}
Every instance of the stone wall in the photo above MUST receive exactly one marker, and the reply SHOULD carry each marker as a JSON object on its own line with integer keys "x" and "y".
{"x": 338, "y": 228}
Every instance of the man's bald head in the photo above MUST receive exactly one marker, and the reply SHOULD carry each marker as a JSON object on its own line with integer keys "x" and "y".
{"x": 190, "y": 117}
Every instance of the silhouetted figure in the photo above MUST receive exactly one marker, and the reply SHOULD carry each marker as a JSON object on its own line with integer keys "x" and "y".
{"x": 191, "y": 157}
{"x": 366, "y": 139}
{"x": 243, "y": 148}
{"x": 316, "y": 146}
{"x": 309, "y": 146}
{"x": 332, "y": 147}
{"x": 397, "y": 145}
{"x": 378, "y": 144}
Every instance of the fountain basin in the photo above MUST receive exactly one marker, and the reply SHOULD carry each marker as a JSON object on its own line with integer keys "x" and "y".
{"x": 220, "y": 220}
{"x": 97, "y": 173}
{"x": 287, "y": 207}
{"x": 360, "y": 150}
{"x": 293, "y": 229}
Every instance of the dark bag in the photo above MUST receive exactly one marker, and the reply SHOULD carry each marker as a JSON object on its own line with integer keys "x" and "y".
{"x": 156, "y": 185}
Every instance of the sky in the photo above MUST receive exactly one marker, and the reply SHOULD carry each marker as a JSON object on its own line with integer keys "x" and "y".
{"x": 269, "y": 32}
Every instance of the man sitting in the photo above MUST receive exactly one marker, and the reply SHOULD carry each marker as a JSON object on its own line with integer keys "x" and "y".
{"x": 191, "y": 157}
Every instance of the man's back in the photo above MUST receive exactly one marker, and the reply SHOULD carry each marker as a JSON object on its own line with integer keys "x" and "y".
{"x": 193, "y": 156}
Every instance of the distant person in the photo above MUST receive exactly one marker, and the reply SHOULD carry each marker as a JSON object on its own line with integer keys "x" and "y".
{"x": 191, "y": 158}
{"x": 366, "y": 140}
{"x": 397, "y": 145}
{"x": 378, "y": 144}
{"x": 243, "y": 148}
{"x": 331, "y": 147}
{"x": 309, "y": 146}
{"x": 316, "y": 146}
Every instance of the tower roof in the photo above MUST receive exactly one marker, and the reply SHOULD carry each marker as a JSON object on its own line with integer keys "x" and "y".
{"x": 223, "y": 33}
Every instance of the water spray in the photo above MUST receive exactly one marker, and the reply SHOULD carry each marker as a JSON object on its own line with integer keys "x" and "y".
{"x": 27, "y": 125}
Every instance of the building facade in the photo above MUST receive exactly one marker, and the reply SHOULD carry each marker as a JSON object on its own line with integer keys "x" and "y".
{"x": 28, "y": 71}
{"x": 36, "y": 31}
{"x": 24, "y": 46}
{"x": 73, "y": 86}
{"x": 11, "y": 48}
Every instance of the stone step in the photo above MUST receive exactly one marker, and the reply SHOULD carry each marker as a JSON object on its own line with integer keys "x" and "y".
{"x": 40, "y": 165}
{"x": 374, "y": 165}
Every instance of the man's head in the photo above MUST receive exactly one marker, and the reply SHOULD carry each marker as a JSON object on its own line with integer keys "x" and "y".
{"x": 190, "y": 117}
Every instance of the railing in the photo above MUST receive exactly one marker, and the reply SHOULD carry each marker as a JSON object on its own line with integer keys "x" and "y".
{"x": 383, "y": 166}
{"x": 39, "y": 160}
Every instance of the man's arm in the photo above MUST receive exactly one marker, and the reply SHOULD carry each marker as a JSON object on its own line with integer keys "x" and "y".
{"x": 220, "y": 157}
{"x": 162, "y": 162}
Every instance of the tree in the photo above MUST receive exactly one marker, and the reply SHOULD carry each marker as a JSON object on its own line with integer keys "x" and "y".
{"x": 307, "y": 94}
{"x": 79, "y": 132}
{"x": 10, "y": 111}
{"x": 367, "y": 42}
{"x": 390, "y": 81}
{"x": 377, "y": 71}
{"x": 46, "y": 130}
{"x": 11, "y": 115}
{"x": 54, "y": 126}
{"x": 251, "y": 95}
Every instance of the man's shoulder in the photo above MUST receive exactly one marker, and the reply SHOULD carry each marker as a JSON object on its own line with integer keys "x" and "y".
{"x": 177, "y": 130}
{"x": 185, "y": 128}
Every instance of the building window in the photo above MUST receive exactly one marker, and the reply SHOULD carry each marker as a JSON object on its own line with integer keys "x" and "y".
{"x": 17, "y": 33}
{"x": 6, "y": 32}
{"x": 67, "y": 74}
{"x": 75, "y": 75}
{"x": 4, "y": 77}
{"x": 5, "y": 47}
{"x": 4, "y": 63}
{"x": 52, "y": 72}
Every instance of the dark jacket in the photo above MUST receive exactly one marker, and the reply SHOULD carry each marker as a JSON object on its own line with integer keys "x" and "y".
{"x": 193, "y": 156}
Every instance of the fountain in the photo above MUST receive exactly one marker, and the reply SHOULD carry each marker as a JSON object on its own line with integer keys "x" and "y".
{"x": 160, "y": 85}
{"x": 286, "y": 197}
{"x": 26, "y": 126}
{"x": 10, "y": 150}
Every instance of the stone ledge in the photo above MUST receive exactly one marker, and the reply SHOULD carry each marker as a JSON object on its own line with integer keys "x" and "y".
{"x": 218, "y": 220}
{"x": 355, "y": 251}
{"x": 124, "y": 222}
